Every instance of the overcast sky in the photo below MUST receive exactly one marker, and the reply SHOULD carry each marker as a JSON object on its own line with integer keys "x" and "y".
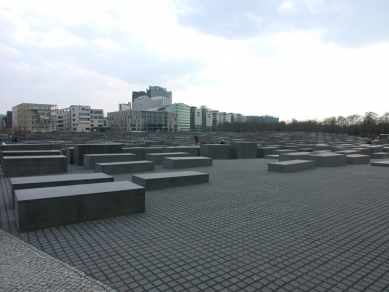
{"x": 303, "y": 59}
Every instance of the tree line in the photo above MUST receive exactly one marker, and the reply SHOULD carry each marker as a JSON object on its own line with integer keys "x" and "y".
{"x": 368, "y": 125}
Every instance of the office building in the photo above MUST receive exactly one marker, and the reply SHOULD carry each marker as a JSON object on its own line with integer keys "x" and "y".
{"x": 136, "y": 94}
{"x": 206, "y": 115}
{"x": 196, "y": 121}
{"x": 183, "y": 115}
{"x": 158, "y": 91}
{"x": 148, "y": 121}
{"x": 262, "y": 119}
{"x": 33, "y": 117}
{"x": 124, "y": 106}
{"x": 144, "y": 102}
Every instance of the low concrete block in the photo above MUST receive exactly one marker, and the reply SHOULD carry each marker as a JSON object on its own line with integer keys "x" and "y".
{"x": 42, "y": 208}
{"x": 186, "y": 162}
{"x": 349, "y": 151}
{"x": 375, "y": 148}
{"x": 379, "y": 155}
{"x": 125, "y": 167}
{"x": 138, "y": 151}
{"x": 295, "y": 156}
{"x": 191, "y": 150}
{"x": 70, "y": 155}
{"x": 283, "y": 151}
{"x": 383, "y": 163}
{"x": 215, "y": 151}
{"x": 362, "y": 150}
{"x": 386, "y": 149}
{"x": 90, "y": 160}
{"x": 329, "y": 159}
{"x": 272, "y": 156}
{"x": 15, "y": 166}
{"x": 357, "y": 159}
{"x": 243, "y": 150}
{"x": 154, "y": 181}
{"x": 157, "y": 158}
{"x": 33, "y": 182}
{"x": 267, "y": 150}
{"x": 321, "y": 146}
{"x": 81, "y": 149}
{"x": 291, "y": 166}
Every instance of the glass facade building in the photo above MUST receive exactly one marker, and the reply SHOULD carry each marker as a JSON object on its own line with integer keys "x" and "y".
{"x": 183, "y": 115}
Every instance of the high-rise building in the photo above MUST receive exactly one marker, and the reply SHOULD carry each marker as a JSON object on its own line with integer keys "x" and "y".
{"x": 158, "y": 91}
{"x": 33, "y": 117}
{"x": 136, "y": 94}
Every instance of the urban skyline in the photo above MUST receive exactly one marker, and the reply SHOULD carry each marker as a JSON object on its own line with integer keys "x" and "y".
{"x": 293, "y": 59}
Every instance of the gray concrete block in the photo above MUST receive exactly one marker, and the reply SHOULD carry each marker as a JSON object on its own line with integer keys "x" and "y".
{"x": 15, "y": 166}
{"x": 267, "y": 150}
{"x": 375, "y": 148}
{"x": 81, "y": 149}
{"x": 329, "y": 159}
{"x": 349, "y": 151}
{"x": 154, "y": 181}
{"x": 243, "y": 150}
{"x": 125, "y": 167}
{"x": 42, "y": 208}
{"x": 186, "y": 162}
{"x": 157, "y": 158}
{"x": 215, "y": 151}
{"x": 357, "y": 159}
{"x": 295, "y": 156}
{"x": 362, "y": 150}
{"x": 321, "y": 146}
{"x": 291, "y": 166}
{"x": 383, "y": 163}
{"x": 191, "y": 150}
{"x": 70, "y": 155}
{"x": 138, "y": 151}
{"x": 272, "y": 156}
{"x": 283, "y": 151}
{"x": 379, "y": 155}
{"x": 33, "y": 182}
{"x": 90, "y": 160}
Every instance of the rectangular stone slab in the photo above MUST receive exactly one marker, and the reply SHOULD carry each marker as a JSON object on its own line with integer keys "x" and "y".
{"x": 186, "y": 162}
{"x": 125, "y": 167}
{"x": 295, "y": 156}
{"x": 154, "y": 181}
{"x": 32, "y": 182}
{"x": 291, "y": 166}
{"x": 383, "y": 163}
{"x": 357, "y": 159}
{"x": 57, "y": 206}
{"x": 90, "y": 160}
{"x": 157, "y": 158}
{"x": 15, "y": 166}
{"x": 215, "y": 151}
{"x": 328, "y": 159}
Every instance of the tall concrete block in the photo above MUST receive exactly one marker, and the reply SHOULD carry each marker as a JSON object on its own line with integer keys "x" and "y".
{"x": 215, "y": 151}
{"x": 243, "y": 150}
{"x": 81, "y": 149}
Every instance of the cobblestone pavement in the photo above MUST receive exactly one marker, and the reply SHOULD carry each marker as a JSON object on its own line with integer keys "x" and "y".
{"x": 248, "y": 229}
{"x": 25, "y": 268}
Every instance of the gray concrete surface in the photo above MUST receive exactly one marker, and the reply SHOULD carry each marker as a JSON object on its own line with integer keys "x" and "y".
{"x": 248, "y": 229}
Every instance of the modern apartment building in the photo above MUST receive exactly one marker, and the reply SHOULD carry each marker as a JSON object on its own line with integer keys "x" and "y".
{"x": 81, "y": 118}
{"x": 33, "y": 117}
{"x": 148, "y": 121}
{"x": 263, "y": 119}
